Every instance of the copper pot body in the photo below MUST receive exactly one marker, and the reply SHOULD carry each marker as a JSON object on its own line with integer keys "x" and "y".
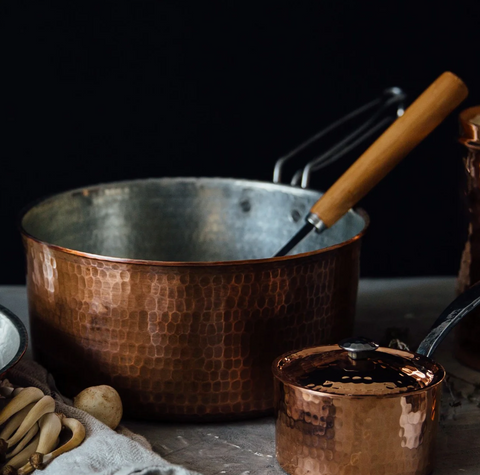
{"x": 178, "y": 340}
{"x": 329, "y": 434}
{"x": 467, "y": 332}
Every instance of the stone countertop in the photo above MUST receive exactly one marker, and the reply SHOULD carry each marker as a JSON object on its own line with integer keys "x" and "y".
{"x": 248, "y": 447}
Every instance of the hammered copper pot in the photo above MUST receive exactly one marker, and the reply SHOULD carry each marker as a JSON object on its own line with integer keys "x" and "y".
{"x": 359, "y": 409}
{"x": 165, "y": 289}
{"x": 360, "y": 430}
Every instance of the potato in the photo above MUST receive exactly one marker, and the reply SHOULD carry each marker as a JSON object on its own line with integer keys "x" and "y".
{"x": 102, "y": 402}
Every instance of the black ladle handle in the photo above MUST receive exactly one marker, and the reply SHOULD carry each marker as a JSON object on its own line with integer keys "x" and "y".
{"x": 459, "y": 308}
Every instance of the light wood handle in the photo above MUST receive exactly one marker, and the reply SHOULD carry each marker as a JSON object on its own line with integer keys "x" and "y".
{"x": 421, "y": 118}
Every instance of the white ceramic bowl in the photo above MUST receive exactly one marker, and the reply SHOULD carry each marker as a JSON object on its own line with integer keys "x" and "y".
{"x": 13, "y": 340}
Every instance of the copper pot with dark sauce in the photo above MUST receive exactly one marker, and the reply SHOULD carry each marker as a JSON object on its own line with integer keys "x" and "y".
{"x": 356, "y": 408}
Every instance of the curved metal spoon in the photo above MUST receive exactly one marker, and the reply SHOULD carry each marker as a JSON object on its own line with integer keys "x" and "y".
{"x": 459, "y": 308}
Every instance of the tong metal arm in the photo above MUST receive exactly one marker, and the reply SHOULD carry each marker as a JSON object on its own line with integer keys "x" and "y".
{"x": 376, "y": 122}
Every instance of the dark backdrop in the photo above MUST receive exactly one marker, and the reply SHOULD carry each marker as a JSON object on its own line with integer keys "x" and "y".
{"x": 100, "y": 91}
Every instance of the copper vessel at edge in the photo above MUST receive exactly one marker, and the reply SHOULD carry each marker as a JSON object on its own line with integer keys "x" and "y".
{"x": 467, "y": 334}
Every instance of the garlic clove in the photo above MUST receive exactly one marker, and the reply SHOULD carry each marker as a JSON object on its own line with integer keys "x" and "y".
{"x": 78, "y": 435}
{"x": 43, "y": 406}
{"x": 24, "y": 442}
{"x": 50, "y": 427}
{"x": 14, "y": 422}
{"x": 7, "y": 388}
{"x": 19, "y": 401}
{"x": 21, "y": 458}
{"x": 10, "y": 427}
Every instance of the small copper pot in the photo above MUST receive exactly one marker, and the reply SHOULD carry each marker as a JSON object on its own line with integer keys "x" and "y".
{"x": 357, "y": 409}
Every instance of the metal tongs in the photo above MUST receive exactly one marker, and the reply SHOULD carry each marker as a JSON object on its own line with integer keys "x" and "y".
{"x": 397, "y": 141}
{"x": 384, "y": 113}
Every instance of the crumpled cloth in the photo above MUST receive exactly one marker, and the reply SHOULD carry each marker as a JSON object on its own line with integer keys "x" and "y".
{"x": 104, "y": 451}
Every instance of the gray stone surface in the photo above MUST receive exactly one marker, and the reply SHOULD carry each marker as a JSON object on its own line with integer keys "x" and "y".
{"x": 247, "y": 448}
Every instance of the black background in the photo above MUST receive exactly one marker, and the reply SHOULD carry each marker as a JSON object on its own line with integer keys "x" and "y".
{"x": 94, "y": 92}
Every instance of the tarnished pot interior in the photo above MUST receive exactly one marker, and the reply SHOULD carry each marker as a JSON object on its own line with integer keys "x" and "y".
{"x": 165, "y": 289}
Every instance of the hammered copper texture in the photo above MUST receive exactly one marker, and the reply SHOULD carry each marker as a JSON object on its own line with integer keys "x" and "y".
{"x": 467, "y": 332}
{"x": 191, "y": 342}
{"x": 340, "y": 435}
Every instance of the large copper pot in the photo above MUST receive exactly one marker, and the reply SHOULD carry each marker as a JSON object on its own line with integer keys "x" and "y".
{"x": 165, "y": 289}
{"x": 356, "y": 408}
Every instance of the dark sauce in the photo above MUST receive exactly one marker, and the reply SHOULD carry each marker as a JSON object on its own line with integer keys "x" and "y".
{"x": 335, "y": 370}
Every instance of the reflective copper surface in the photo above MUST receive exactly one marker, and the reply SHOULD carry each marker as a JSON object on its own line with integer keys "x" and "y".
{"x": 361, "y": 434}
{"x": 180, "y": 340}
{"x": 467, "y": 333}
{"x": 330, "y": 369}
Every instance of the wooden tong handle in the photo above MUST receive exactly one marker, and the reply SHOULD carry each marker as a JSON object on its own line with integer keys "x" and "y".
{"x": 421, "y": 118}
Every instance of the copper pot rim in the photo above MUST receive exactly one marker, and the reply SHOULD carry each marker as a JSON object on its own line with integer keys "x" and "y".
{"x": 156, "y": 263}
{"x": 277, "y": 375}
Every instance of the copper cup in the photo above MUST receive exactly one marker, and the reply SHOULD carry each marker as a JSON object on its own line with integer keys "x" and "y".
{"x": 357, "y": 409}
